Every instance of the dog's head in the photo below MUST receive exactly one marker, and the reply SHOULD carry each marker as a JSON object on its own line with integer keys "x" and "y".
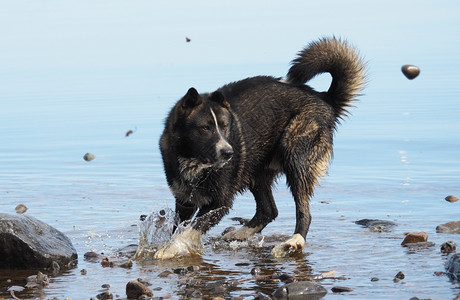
{"x": 202, "y": 130}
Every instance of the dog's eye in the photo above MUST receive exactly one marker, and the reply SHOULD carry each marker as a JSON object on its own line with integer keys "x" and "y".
{"x": 205, "y": 128}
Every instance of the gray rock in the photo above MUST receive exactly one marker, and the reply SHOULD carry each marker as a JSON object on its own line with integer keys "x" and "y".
{"x": 376, "y": 225}
{"x": 300, "y": 290}
{"x": 453, "y": 266}
{"x": 27, "y": 243}
{"x": 450, "y": 227}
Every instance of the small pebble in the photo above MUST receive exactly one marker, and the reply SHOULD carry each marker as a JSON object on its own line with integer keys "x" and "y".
{"x": 21, "y": 208}
{"x": 374, "y": 279}
{"x": 398, "y": 277}
{"x": 410, "y": 71}
{"x": 83, "y": 272}
{"x": 451, "y": 198}
{"x": 448, "y": 247}
{"x": 105, "y": 286}
{"x": 106, "y": 262}
{"x": 88, "y": 157}
{"x": 256, "y": 271}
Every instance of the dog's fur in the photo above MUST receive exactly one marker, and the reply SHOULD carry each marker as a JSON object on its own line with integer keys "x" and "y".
{"x": 247, "y": 133}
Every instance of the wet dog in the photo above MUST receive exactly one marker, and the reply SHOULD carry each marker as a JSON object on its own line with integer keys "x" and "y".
{"x": 245, "y": 134}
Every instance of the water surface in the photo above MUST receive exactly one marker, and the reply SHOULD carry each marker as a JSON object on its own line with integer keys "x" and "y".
{"x": 75, "y": 77}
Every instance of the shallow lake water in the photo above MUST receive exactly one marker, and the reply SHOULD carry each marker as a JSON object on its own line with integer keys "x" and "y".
{"x": 76, "y": 77}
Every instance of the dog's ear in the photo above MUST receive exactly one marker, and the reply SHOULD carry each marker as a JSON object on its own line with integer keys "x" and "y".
{"x": 219, "y": 98}
{"x": 191, "y": 99}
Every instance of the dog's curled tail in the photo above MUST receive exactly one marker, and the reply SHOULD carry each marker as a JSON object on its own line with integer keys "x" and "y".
{"x": 339, "y": 59}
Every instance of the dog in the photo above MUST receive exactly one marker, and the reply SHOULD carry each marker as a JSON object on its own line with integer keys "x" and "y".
{"x": 246, "y": 134}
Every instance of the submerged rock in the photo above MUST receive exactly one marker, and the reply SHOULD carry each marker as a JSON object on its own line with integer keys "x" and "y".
{"x": 453, "y": 266}
{"x": 376, "y": 225}
{"x": 300, "y": 290}
{"x": 39, "y": 280}
{"x": 450, "y": 227}
{"x": 26, "y": 243}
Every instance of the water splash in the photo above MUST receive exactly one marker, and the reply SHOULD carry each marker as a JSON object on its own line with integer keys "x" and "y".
{"x": 154, "y": 231}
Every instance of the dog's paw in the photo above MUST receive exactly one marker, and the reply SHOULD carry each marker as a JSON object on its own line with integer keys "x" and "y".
{"x": 241, "y": 234}
{"x": 181, "y": 244}
{"x": 294, "y": 245}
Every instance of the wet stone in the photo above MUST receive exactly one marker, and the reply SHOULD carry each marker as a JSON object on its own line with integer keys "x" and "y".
{"x": 92, "y": 256}
{"x": 376, "y": 225}
{"x": 299, "y": 290}
{"x": 453, "y": 266}
{"x": 410, "y": 71}
{"x": 135, "y": 289}
{"x": 415, "y": 237}
{"x": 448, "y": 247}
{"x": 256, "y": 271}
{"x": 20, "y": 209}
{"x": 450, "y": 227}
{"x": 399, "y": 276}
{"x": 128, "y": 251}
{"x": 39, "y": 280}
{"x": 105, "y": 295}
{"x": 26, "y": 243}
{"x": 341, "y": 289}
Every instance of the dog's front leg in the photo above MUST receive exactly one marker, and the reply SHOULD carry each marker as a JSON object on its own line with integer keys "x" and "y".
{"x": 188, "y": 241}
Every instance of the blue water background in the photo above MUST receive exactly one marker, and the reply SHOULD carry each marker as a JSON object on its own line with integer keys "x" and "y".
{"x": 75, "y": 76}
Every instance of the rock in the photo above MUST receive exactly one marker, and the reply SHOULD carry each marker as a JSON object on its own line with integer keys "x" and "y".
{"x": 128, "y": 251}
{"x": 450, "y": 227}
{"x": 299, "y": 290}
{"x": 105, "y": 295}
{"x": 39, "y": 280}
{"x": 341, "y": 289}
{"x": 256, "y": 271}
{"x": 27, "y": 243}
{"x": 376, "y": 225}
{"x": 398, "y": 277}
{"x": 89, "y": 157}
{"x": 448, "y": 247}
{"x": 415, "y": 237}
{"x": 410, "y": 71}
{"x": 20, "y": 209}
{"x": 135, "y": 289}
{"x": 453, "y": 266}
{"x": 92, "y": 256}
{"x": 419, "y": 245}
{"x": 451, "y": 198}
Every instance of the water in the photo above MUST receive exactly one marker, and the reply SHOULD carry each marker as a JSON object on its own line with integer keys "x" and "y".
{"x": 77, "y": 76}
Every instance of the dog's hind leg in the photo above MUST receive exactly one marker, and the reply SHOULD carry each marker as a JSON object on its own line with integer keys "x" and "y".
{"x": 266, "y": 210}
{"x": 307, "y": 152}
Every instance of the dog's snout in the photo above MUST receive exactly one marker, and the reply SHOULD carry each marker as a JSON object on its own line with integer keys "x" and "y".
{"x": 226, "y": 153}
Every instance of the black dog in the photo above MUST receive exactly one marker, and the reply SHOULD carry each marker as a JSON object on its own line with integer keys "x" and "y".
{"x": 247, "y": 133}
